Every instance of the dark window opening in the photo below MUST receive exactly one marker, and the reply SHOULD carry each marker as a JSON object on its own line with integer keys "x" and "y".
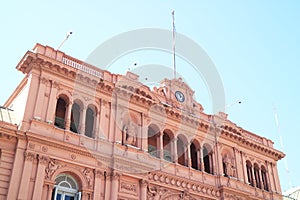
{"x": 249, "y": 173}
{"x": 257, "y": 177}
{"x": 194, "y": 158}
{"x": 264, "y": 179}
{"x": 207, "y": 161}
{"x": 75, "y": 118}
{"x": 225, "y": 169}
{"x": 181, "y": 152}
{"x": 152, "y": 143}
{"x": 60, "y": 113}
{"x": 89, "y": 122}
{"x": 167, "y": 147}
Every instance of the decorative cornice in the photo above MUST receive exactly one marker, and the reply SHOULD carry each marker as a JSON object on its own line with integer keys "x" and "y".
{"x": 253, "y": 145}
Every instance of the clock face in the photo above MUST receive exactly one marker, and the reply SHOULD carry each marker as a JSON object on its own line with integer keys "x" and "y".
{"x": 179, "y": 96}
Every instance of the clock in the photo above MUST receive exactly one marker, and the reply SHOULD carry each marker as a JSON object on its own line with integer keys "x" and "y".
{"x": 179, "y": 96}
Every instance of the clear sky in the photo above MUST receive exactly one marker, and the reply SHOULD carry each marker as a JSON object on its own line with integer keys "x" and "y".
{"x": 255, "y": 46}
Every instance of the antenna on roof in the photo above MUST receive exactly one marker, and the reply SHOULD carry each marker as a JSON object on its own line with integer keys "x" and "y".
{"x": 281, "y": 144}
{"x": 67, "y": 37}
{"x": 173, "y": 45}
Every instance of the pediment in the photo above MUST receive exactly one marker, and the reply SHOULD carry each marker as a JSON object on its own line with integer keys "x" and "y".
{"x": 179, "y": 94}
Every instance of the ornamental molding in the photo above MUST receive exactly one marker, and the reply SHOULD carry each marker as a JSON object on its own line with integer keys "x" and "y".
{"x": 183, "y": 184}
{"x": 129, "y": 188}
{"x": 253, "y": 145}
{"x": 53, "y": 165}
{"x": 29, "y": 156}
{"x": 62, "y": 147}
{"x": 157, "y": 192}
{"x": 43, "y": 160}
{"x": 88, "y": 174}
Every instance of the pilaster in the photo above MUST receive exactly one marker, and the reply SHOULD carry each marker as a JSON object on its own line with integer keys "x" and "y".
{"x": 40, "y": 98}
{"x": 143, "y": 189}
{"x": 115, "y": 177}
{"x": 23, "y": 191}
{"x": 97, "y": 185}
{"x": 52, "y": 103}
{"x": 68, "y": 115}
{"x": 82, "y": 122}
{"x": 39, "y": 179}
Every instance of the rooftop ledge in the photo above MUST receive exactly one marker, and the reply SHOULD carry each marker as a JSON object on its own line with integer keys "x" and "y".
{"x": 68, "y": 60}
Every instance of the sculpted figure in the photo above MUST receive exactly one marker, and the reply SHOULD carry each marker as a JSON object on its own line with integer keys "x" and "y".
{"x": 129, "y": 134}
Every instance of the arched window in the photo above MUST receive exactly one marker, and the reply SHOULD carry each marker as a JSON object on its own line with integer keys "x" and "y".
{"x": 152, "y": 142}
{"x": 264, "y": 178}
{"x": 65, "y": 188}
{"x": 167, "y": 147}
{"x": 89, "y": 122}
{"x": 194, "y": 156}
{"x": 257, "y": 176}
{"x": 75, "y": 118}
{"x": 60, "y": 113}
{"x": 207, "y": 159}
{"x": 181, "y": 152}
{"x": 249, "y": 173}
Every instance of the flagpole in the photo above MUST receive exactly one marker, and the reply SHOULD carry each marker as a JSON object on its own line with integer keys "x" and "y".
{"x": 173, "y": 44}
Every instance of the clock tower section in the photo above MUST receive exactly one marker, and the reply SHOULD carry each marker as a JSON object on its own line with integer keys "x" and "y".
{"x": 178, "y": 94}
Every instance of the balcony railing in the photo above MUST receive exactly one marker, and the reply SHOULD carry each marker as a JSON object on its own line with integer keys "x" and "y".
{"x": 81, "y": 66}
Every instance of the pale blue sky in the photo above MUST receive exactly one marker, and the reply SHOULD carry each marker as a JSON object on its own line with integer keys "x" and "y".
{"x": 255, "y": 46}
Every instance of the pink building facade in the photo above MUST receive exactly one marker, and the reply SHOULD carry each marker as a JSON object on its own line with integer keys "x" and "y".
{"x": 73, "y": 131}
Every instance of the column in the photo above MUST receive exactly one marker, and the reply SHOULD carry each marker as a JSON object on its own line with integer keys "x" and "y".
{"x": 16, "y": 173}
{"x": 253, "y": 176}
{"x": 238, "y": 163}
{"x": 174, "y": 150}
{"x": 244, "y": 178}
{"x": 52, "y": 103}
{"x": 144, "y": 134}
{"x": 199, "y": 159}
{"x": 96, "y": 130}
{"x": 101, "y": 117}
{"x": 39, "y": 178}
{"x": 160, "y": 145}
{"x": 104, "y": 125}
{"x": 50, "y": 189}
{"x": 259, "y": 177}
{"x": 97, "y": 184}
{"x": 218, "y": 159}
{"x": 143, "y": 189}
{"x": 268, "y": 177}
{"x": 45, "y": 191}
{"x": 23, "y": 191}
{"x": 139, "y": 134}
{"x": 40, "y": 99}
{"x": 111, "y": 122}
{"x": 82, "y": 123}
{"x": 68, "y": 115}
{"x": 276, "y": 186}
{"x": 277, "y": 178}
{"x": 188, "y": 156}
{"x": 107, "y": 187}
{"x": 33, "y": 81}
{"x": 211, "y": 164}
{"x": 115, "y": 177}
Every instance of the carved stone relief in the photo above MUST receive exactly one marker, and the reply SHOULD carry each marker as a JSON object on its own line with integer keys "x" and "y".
{"x": 53, "y": 165}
